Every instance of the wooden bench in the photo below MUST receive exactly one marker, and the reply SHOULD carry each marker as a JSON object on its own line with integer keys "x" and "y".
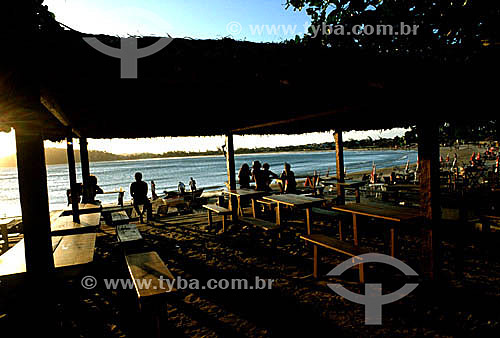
{"x": 264, "y": 225}
{"x": 335, "y": 245}
{"x": 150, "y": 276}
{"x": 126, "y": 233}
{"x": 218, "y": 210}
{"x": 119, "y": 217}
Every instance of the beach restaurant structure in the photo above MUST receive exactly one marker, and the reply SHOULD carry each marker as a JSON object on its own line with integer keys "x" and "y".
{"x": 55, "y": 86}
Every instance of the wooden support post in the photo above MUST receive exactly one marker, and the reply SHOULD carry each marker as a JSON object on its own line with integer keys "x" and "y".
{"x": 231, "y": 176}
{"x": 84, "y": 162}
{"x": 339, "y": 151}
{"x": 428, "y": 154}
{"x": 33, "y": 193}
{"x": 72, "y": 181}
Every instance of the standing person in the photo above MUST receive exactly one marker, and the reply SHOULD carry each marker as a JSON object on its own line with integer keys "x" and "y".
{"x": 288, "y": 184}
{"x": 244, "y": 176}
{"x": 139, "y": 192}
{"x": 268, "y": 176}
{"x": 153, "y": 191}
{"x": 258, "y": 177}
{"x": 192, "y": 184}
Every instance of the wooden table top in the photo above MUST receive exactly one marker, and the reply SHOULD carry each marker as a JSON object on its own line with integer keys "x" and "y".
{"x": 83, "y": 209}
{"x": 67, "y": 250}
{"x": 392, "y": 213}
{"x": 65, "y": 223}
{"x": 294, "y": 200}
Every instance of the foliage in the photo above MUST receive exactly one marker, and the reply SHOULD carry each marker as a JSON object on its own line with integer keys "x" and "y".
{"x": 460, "y": 27}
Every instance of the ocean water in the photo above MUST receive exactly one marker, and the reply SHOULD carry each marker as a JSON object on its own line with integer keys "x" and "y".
{"x": 209, "y": 172}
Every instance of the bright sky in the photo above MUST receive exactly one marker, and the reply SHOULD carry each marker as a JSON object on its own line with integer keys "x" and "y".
{"x": 199, "y": 19}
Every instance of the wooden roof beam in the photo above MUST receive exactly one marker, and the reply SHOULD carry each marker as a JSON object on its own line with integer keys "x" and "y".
{"x": 55, "y": 109}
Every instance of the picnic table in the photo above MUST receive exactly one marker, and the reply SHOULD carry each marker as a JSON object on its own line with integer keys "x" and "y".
{"x": 396, "y": 215}
{"x": 245, "y": 193}
{"x": 64, "y": 225}
{"x": 295, "y": 201}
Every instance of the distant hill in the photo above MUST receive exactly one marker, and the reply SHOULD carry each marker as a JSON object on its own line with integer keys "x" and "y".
{"x": 58, "y": 156}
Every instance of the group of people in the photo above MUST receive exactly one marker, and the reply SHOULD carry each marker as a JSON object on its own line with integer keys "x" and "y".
{"x": 181, "y": 187}
{"x": 262, "y": 176}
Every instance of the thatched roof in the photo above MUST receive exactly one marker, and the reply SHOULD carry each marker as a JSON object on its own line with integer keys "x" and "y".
{"x": 211, "y": 87}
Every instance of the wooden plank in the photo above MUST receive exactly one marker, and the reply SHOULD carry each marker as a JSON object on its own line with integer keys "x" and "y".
{"x": 128, "y": 233}
{"x": 147, "y": 268}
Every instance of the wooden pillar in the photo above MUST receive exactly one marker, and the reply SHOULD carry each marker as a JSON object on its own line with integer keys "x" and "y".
{"x": 428, "y": 154}
{"x": 231, "y": 176}
{"x": 339, "y": 151}
{"x": 72, "y": 180}
{"x": 33, "y": 193}
{"x": 84, "y": 162}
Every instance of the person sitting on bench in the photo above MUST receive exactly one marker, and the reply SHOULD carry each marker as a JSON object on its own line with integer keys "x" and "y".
{"x": 139, "y": 192}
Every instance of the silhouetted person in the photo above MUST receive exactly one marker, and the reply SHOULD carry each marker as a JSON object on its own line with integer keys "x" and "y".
{"x": 267, "y": 176}
{"x": 192, "y": 184}
{"x": 153, "y": 190}
{"x": 94, "y": 189}
{"x": 258, "y": 177}
{"x": 288, "y": 180}
{"x": 139, "y": 192}
{"x": 244, "y": 176}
